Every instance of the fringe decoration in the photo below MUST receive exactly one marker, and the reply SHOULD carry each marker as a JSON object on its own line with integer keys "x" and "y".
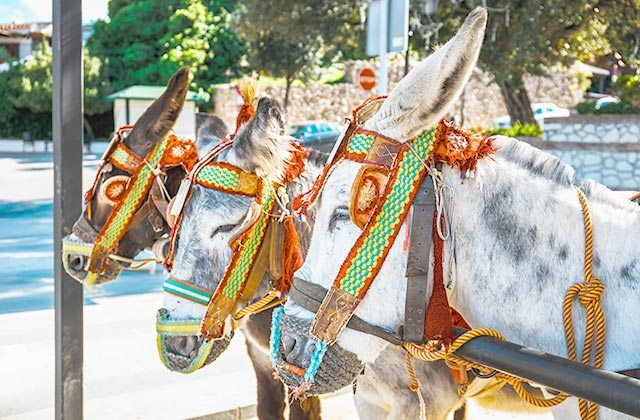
{"x": 292, "y": 258}
{"x": 295, "y": 165}
{"x": 461, "y": 148}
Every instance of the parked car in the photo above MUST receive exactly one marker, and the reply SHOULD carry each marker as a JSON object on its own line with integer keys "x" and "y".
{"x": 319, "y": 135}
{"x": 607, "y": 100}
{"x": 541, "y": 112}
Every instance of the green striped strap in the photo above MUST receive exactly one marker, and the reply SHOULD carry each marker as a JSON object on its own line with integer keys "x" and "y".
{"x": 187, "y": 291}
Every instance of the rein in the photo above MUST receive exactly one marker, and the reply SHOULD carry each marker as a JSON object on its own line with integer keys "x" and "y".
{"x": 133, "y": 198}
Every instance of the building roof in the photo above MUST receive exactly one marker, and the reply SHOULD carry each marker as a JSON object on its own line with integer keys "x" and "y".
{"x": 149, "y": 92}
{"x": 26, "y": 29}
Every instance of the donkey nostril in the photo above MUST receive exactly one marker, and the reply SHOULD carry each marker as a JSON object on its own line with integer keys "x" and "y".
{"x": 77, "y": 262}
{"x": 289, "y": 344}
{"x": 294, "y": 348}
{"x": 185, "y": 346}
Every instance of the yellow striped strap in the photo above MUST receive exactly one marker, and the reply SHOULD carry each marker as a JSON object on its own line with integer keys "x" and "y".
{"x": 239, "y": 270}
{"x": 121, "y": 215}
{"x": 370, "y": 250}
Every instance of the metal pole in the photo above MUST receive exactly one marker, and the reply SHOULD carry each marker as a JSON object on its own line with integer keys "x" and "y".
{"x": 612, "y": 390}
{"x": 384, "y": 20}
{"x": 67, "y": 155}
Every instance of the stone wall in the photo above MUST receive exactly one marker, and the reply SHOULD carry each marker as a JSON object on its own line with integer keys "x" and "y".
{"x": 616, "y": 170}
{"x": 605, "y": 148}
{"x": 481, "y": 102}
{"x": 594, "y": 129}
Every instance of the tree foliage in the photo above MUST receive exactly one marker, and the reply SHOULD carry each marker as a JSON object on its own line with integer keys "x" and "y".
{"x": 291, "y": 39}
{"x": 27, "y": 85}
{"x": 146, "y": 41}
{"x": 32, "y": 83}
{"x": 527, "y": 37}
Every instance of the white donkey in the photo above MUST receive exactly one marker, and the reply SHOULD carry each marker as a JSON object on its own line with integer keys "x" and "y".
{"x": 517, "y": 237}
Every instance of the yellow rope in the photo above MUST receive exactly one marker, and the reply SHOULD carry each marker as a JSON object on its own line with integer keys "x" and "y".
{"x": 427, "y": 353}
{"x": 588, "y": 293}
{"x": 263, "y": 304}
{"x": 415, "y": 386}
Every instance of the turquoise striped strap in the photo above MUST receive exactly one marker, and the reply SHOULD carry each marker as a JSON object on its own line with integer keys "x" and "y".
{"x": 187, "y": 291}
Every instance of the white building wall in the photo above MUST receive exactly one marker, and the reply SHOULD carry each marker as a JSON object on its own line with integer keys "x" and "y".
{"x": 24, "y": 49}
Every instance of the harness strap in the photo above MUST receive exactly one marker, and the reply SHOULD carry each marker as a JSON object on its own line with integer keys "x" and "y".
{"x": 418, "y": 262}
{"x": 310, "y": 295}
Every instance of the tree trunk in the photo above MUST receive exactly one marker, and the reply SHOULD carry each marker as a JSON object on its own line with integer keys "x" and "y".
{"x": 90, "y": 137}
{"x": 517, "y": 100}
{"x": 286, "y": 91}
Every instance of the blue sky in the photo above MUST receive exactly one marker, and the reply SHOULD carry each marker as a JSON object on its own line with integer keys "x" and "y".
{"x": 40, "y": 10}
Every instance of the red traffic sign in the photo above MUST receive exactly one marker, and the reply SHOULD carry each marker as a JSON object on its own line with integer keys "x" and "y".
{"x": 367, "y": 78}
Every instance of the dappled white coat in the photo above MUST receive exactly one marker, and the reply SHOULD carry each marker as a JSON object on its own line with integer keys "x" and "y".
{"x": 518, "y": 238}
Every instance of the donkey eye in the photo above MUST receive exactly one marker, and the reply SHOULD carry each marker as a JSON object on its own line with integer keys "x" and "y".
{"x": 340, "y": 214}
{"x": 222, "y": 229}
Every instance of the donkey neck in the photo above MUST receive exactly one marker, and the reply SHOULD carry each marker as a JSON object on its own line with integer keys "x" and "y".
{"x": 519, "y": 245}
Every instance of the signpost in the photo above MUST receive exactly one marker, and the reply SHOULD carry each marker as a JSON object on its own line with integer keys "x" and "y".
{"x": 367, "y": 78}
{"x": 387, "y": 31}
{"x": 67, "y": 202}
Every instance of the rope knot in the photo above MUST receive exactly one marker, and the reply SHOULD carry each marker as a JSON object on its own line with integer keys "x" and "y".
{"x": 590, "y": 292}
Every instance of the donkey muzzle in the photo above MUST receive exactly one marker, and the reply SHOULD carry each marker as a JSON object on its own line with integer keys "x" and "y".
{"x": 296, "y": 359}
{"x": 180, "y": 347}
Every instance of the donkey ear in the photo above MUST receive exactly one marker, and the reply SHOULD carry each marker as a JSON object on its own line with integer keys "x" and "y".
{"x": 159, "y": 118}
{"x": 260, "y": 145}
{"x": 210, "y": 129}
{"x": 427, "y": 92}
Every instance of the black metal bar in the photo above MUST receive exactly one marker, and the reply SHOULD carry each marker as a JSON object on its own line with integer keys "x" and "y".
{"x": 67, "y": 154}
{"x": 612, "y": 390}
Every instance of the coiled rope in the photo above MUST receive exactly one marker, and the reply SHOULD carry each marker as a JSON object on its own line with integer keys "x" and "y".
{"x": 271, "y": 300}
{"x": 588, "y": 293}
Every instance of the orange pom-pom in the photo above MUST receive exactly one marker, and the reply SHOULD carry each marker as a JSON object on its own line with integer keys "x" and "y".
{"x": 247, "y": 89}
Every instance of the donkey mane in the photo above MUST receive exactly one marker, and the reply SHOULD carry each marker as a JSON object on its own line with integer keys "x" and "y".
{"x": 535, "y": 161}
{"x": 544, "y": 165}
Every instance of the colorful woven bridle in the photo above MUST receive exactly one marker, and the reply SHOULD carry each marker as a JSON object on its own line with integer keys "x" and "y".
{"x": 247, "y": 267}
{"x": 388, "y": 181}
{"x": 128, "y": 194}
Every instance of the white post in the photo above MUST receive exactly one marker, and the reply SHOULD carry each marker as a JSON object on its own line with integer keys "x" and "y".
{"x": 384, "y": 19}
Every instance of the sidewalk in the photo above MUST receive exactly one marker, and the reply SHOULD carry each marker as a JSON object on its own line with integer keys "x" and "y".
{"x": 123, "y": 376}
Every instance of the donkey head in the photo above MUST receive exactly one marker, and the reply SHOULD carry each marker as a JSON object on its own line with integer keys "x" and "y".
{"x": 416, "y": 104}
{"x": 153, "y": 126}
{"x": 212, "y": 218}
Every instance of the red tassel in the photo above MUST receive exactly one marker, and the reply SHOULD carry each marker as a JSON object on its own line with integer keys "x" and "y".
{"x": 291, "y": 255}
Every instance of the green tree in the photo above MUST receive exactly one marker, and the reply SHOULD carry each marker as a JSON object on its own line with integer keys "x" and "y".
{"x": 527, "y": 37}
{"x": 145, "y": 41}
{"x": 622, "y": 21}
{"x": 28, "y": 85}
{"x": 291, "y": 39}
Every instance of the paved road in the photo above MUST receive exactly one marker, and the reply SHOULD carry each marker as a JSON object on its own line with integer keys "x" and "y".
{"x": 26, "y": 237}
